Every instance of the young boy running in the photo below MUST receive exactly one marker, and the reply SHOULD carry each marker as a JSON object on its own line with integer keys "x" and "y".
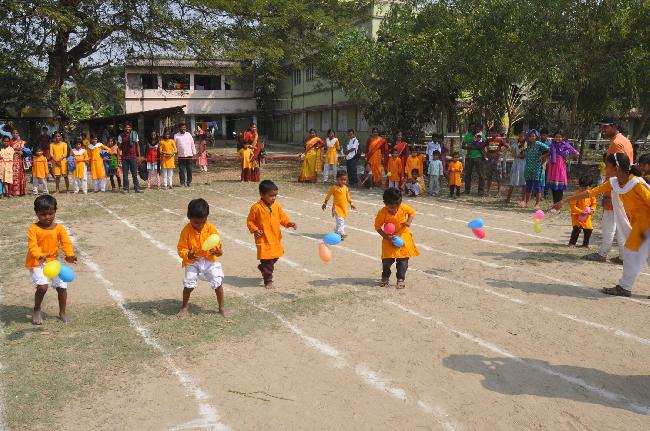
{"x": 341, "y": 195}
{"x": 43, "y": 241}
{"x": 199, "y": 264}
{"x": 264, "y": 221}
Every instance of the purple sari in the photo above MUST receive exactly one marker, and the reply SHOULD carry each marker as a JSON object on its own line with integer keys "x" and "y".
{"x": 556, "y": 177}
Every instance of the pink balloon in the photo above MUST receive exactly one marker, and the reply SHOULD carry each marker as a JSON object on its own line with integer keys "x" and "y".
{"x": 324, "y": 253}
{"x": 479, "y": 233}
{"x": 583, "y": 217}
{"x": 389, "y": 228}
{"x": 586, "y": 210}
{"x": 539, "y": 215}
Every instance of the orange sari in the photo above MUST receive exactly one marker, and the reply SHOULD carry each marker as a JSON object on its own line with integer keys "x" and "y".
{"x": 313, "y": 163}
{"x": 376, "y": 152}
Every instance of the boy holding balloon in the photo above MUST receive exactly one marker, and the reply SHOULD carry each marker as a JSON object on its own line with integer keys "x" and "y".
{"x": 199, "y": 246}
{"x": 392, "y": 223}
{"x": 43, "y": 241}
{"x": 264, "y": 221}
{"x": 342, "y": 198}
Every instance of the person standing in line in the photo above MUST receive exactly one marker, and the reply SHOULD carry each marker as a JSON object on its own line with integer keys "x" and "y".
{"x": 333, "y": 147}
{"x": 518, "y": 168}
{"x": 186, "y": 152}
{"x": 475, "y": 163}
{"x": 130, "y": 148}
{"x": 376, "y": 156}
{"x": 167, "y": 152}
{"x": 18, "y": 187}
{"x": 435, "y": 172}
{"x": 58, "y": 155}
{"x": 617, "y": 144}
{"x": 351, "y": 156}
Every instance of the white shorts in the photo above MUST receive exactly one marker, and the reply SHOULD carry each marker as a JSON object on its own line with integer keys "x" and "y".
{"x": 203, "y": 270}
{"x": 39, "y": 279}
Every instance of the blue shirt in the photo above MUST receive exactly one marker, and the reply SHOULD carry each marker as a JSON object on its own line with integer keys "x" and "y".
{"x": 435, "y": 167}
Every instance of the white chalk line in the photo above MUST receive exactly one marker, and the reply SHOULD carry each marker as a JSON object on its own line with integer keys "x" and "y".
{"x": 209, "y": 417}
{"x": 603, "y": 393}
{"x": 3, "y": 413}
{"x": 616, "y": 331}
{"x": 370, "y": 377}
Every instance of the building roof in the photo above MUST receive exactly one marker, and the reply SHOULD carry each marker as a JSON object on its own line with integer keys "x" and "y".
{"x": 115, "y": 118}
{"x": 179, "y": 62}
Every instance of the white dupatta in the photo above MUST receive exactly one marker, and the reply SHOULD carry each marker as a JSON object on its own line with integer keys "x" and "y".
{"x": 622, "y": 222}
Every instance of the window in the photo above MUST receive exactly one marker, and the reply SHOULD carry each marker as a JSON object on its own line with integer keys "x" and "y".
{"x": 176, "y": 82}
{"x": 149, "y": 81}
{"x": 311, "y": 120}
{"x": 133, "y": 81}
{"x": 342, "y": 120}
{"x": 311, "y": 73}
{"x": 297, "y": 122}
{"x": 238, "y": 83}
{"x": 207, "y": 82}
{"x": 297, "y": 77}
{"x": 326, "y": 120}
{"x": 362, "y": 124}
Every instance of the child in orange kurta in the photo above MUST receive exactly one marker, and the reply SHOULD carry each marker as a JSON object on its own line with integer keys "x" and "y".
{"x": 414, "y": 161}
{"x": 245, "y": 155}
{"x": 40, "y": 172}
{"x": 581, "y": 211}
{"x": 342, "y": 198}
{"x": 455, "y": 170}
{"x": 395, "y": 170}
{"x": 43, "y": 241}
{"x": 264, "y": 221}
{"x": 199, "y": 264}
{"x": 401, "y": 216}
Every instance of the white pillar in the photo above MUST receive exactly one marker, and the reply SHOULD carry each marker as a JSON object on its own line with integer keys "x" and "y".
{"x": 192, "y": 125}
{"x": 223, "y": 126}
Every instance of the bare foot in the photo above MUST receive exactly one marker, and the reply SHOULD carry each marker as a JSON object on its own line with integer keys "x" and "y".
{"x": 182, "y": 314}
{"x": 269, "y": 285}
{"x": 225, "y": 314}
{"x": 37, "y": 319}
{"x": 64, "y": 318}
{"x": 400, "y": 284}
{"x": 571, "y": 245}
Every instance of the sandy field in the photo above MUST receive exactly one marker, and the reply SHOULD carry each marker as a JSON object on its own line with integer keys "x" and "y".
{"x": 506, "y": 333}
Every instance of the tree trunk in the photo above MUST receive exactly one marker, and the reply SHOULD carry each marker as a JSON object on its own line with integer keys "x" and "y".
{"x": 56, "y": 71}
{"x": 639, "y": 131}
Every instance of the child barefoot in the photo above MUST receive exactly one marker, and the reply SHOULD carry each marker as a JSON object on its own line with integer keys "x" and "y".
{"x": 400, "y": 215}
{"x": 198, "y": 263}
{"x": 455, "y": 169}
{"x": 580, "y": 218}
{"x": 341, "y": 199}
{"x": 43, "y": 241}
{"x": 264, "y": 220}
{"x": 414, "y": 185}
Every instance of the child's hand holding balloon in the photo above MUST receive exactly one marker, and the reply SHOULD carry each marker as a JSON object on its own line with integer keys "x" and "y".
{"x": 217, "y": 251}
{"x": 71, "y": 259}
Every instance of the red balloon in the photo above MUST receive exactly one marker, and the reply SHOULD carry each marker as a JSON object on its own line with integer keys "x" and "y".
{"x": 389, "y": 228}
{"x": 324, "y": 252}
{"x": 479, "y": 233}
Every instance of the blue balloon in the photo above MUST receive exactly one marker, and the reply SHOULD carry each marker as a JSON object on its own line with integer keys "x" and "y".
{"x": 397, "y": 241}
{"x": 477, "y": 223}
{"x": 332, "y": 238}
{"x": 66, "y": 274}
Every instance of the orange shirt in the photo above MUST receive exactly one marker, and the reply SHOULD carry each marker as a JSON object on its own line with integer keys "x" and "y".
{"x": 576, "y": 212}
{"x": 46, "y": 242}
{"x": 388, "y": 250}
{"x": 191, "y": 239}
{"x": 268, "y": 220}
{"x": 376, "y": 148}
{"x": 395, "y": 169}
{"x": 414, "y": 162}
{"x": 455, "y": 171}
{"x": 39, "y": 167}
{"x": 637, "y": 207}
{"x": 341, "y": 199}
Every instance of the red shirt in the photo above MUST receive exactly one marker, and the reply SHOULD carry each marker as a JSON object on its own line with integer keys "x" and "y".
{"x": 129, "y": 150}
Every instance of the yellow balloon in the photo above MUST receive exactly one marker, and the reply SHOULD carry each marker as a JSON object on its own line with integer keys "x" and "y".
{"x": 52, "y": 269}
{"x": 388, "y": 174}
{"x": 211, "y": 242}
{"x": 538, "y": 226}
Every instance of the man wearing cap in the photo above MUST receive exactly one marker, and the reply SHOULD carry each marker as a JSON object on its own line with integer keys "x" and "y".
{"x": 617, "y": 144}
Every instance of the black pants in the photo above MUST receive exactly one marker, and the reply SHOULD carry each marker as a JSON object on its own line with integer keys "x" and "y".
{"x": 576, "y": 232}
{"x": 185, "y": 167}
{"x": 130, "y": 165}
{"x": 557, "y": 195}
{"x": 266, "y": 267}
{"x": 351, "y": 166}
{"x": 402, "y": 266}
{"x": 453, "y": 189}
{"x": 475, "y": 165}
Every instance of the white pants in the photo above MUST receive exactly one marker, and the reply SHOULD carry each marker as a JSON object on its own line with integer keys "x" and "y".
{"x": 393, "y": 184}
{"x": 167, "y": 175}
{"x": 414, "y": 188}
{"x": 39, "y": 279}
{"x": 40, "y": 182}
{"x": 80, "y": 183}
{"x": 99, "y": 185}
{"x": 633, "y": 263}
{"x": 434, "y": 184}
{"x": 204, "y": 270}
{"x": 327, "y": 169}
{"x": 340, "y": 225}
{"x": 608, "y": 231}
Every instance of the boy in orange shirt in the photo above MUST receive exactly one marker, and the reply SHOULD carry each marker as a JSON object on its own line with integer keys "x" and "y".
{"x": 455, "y": 169}
{"x": 199, "y": 264}
{"x": 342, "y": 198}
{"x": 395, "y": 170}
{"x": 264, "y": 221}
{"x": 43, "y": 241}
{"x": 401, "y": 216}
{"x": 580, "y": 219}
{"x": 40, "y": 172}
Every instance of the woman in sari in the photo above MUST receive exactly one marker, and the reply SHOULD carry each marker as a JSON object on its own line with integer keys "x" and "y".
{"x": 403, "y": 152}
{"x": 19, "y": 181}
{"x": 97, "y": 170}
{"x": 252, "y": 138}
{"x": 376, "y": 155}
{"x": 312, "y": 163}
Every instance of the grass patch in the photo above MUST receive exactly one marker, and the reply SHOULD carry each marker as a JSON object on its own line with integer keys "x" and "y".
{"x": 46, "y": 366}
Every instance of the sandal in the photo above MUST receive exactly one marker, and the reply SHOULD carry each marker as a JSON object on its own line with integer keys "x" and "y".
{"x": 400, "y": 284}
{"x": 384, "y": 283}
{"x": 617, "y": 291}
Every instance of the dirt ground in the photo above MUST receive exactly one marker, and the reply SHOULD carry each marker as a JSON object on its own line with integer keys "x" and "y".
{"x": 506, "y": 333}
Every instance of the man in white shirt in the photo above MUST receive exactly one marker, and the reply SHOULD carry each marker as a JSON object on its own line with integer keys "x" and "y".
{"x": 186, "y": 152}
{"x": 432, "y": 146}
{"x": 351, "y": 156}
